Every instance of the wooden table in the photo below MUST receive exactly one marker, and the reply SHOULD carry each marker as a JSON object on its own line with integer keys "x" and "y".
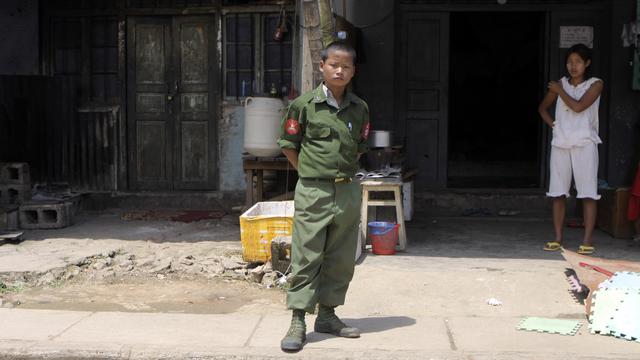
{"x": 255, "y": 166}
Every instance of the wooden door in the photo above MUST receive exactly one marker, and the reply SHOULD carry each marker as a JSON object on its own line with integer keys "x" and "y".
{"x": 194, "y": 103}
{"x": 171, "y": 103}
{"x": 149, "y": 115}
{"x": 423, "y": 95}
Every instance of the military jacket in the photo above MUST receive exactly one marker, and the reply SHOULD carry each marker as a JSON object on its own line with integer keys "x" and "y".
{"x": 327, "y": 139}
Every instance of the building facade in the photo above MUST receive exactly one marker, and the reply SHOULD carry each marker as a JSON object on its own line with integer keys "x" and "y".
{"x": 147, "y": 95}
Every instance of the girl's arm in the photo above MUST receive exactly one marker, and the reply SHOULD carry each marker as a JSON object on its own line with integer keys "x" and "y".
{"x": 585, "y": 101}
{"x": 543, "y": 108}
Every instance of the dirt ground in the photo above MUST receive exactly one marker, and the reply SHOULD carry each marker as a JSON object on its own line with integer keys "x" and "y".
{"x": 194, "y": 296}
{"x": 106, "y": 263}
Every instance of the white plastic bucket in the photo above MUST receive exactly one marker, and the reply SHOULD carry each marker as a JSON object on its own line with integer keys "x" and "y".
{"x": 262, "y": 117}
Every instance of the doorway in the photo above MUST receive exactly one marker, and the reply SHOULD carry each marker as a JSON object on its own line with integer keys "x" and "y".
{"x": 171, "y": 102}
{"x": 495, "y": 76}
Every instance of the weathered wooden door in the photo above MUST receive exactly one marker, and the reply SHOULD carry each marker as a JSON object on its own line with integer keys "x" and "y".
{"x": 423, "y": 94}
{"x": 171, "y": 102}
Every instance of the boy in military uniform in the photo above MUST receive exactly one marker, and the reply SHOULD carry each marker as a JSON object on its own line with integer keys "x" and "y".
{"x": 323, "y": 134}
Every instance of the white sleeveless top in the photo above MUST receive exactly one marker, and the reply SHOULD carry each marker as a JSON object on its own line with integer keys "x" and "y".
{"x": 572, "y": 128}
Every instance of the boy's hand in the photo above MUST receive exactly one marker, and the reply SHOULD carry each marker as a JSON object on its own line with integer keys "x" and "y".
{"x": 554, "y": 87}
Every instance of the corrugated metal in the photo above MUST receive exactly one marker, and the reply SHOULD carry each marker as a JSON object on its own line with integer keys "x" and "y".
{"x": 97, "y": 143}
{"x": 41, "y": 124}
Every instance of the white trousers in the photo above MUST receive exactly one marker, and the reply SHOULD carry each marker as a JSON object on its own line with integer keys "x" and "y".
{"x": 582, "y": 163}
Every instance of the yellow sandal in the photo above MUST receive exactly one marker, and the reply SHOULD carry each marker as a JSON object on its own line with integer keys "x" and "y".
{"x": 552, "y": 246}
{"x": 586, "y": 249}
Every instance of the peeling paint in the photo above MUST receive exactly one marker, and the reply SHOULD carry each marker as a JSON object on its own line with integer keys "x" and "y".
{"x": 231, "y": 130}
{"x": 219, "y": 42}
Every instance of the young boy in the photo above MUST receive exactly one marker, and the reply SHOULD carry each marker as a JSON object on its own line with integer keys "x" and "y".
{"x": 323, "y": 134}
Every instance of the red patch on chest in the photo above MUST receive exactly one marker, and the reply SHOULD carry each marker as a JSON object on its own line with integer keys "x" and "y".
{"x": 292, "y": 127}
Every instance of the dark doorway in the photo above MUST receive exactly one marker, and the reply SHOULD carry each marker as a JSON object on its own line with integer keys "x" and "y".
{"x": 496, "y": 70}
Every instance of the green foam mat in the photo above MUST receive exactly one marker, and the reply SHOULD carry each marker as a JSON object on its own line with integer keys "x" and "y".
{"x": 551, "y": 326}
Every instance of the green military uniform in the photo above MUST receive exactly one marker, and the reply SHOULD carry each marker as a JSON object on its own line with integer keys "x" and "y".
{"x": 327, "y": 202}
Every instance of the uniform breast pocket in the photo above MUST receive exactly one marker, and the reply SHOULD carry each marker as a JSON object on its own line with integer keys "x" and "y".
{"x": 318, "y": 132}
{"x": 319, "y": 138}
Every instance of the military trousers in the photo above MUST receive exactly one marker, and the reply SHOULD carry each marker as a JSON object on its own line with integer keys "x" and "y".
{"x": 324, "y": 241}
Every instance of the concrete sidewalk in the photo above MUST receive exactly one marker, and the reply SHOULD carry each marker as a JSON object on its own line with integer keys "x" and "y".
{"x": 427, "y": 303}
{"x": 67, "y": 335}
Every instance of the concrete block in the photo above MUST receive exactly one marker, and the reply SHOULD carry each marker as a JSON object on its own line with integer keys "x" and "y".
{"x": 49, "y": 215}
{"x": 8, "y": 218}
{"x": 281, "y": 253}
{"x": 15, "y": 173}
{"x": 13, "y": 194}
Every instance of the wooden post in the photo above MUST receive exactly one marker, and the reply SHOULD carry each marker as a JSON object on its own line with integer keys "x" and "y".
{"x": 327, "y": 26}
{"x": 318, "y": 33}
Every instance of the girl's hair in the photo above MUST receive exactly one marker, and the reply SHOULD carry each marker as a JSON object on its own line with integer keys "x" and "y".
{"x": 585, "y": 54}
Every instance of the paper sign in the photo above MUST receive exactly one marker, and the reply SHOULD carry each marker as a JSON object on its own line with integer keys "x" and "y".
{"x": 571, "y": 35}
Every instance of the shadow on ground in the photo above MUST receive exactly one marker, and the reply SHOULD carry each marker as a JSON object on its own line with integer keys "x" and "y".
{"x": 454, "y": 237}
{"x": 502, "y": 238}
{"x": 110, "y": 225}
{"x": 368, "y": 325}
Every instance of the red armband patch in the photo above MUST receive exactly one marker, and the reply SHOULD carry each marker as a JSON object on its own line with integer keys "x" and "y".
{"x": 292, "y": 127}
{"x": 365, "y": 131}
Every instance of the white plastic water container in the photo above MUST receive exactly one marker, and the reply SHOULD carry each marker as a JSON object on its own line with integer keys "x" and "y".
{"x": 262, "y": 117}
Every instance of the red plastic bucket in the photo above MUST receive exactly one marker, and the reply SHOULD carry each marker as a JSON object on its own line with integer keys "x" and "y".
{"x": 384, "y": 237}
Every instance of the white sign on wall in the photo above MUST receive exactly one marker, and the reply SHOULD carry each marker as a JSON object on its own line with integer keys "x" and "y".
{"x": 571, "y": 35}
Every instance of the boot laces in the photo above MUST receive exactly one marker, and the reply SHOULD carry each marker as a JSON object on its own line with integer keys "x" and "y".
{"x": 330, "y": 317}
{"x": 297, "y": 327}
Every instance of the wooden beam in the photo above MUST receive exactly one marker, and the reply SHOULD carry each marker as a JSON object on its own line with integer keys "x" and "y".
{"x": 313, "y": 35}
{"x": 327, "y": 26}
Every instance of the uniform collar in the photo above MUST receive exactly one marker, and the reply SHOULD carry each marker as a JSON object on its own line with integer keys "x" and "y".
{"x": 319, "y": 96}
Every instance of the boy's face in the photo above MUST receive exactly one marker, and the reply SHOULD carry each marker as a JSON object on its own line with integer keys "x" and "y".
{"x": 338, "y": 69}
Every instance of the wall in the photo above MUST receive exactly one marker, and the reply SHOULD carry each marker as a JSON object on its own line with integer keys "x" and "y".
{"x": 375, "y": 79}
{"x": 231, "y": 123}
{"x": 375, "y": 69}
{"x": 231, "y": 139}
{"x": 624, "y": 110}
{"x": 19, "y": 37}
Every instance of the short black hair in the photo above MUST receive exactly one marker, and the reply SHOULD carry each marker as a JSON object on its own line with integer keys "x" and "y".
{"x": 338, "y": 46}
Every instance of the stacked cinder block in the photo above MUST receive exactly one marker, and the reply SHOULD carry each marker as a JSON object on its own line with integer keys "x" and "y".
{"x": 17, "y": 207}
{"x": 15, "y": 183}
{"x": 46, "y": 215}
{"x": 8, "y": 217}
{"x": 15, "y": 189}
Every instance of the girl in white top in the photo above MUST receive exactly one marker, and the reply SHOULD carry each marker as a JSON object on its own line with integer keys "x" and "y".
{"x": 574, "y": 148}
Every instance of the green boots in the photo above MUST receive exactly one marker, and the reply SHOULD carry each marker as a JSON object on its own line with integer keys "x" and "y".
{"x": 297, "y": 334}
{"x": 328, "y": 322}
